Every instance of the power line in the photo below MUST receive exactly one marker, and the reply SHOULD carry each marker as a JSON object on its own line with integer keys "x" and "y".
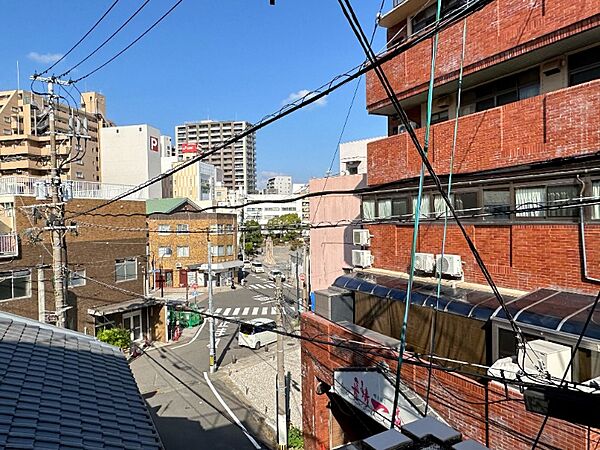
{"x": 82, "y": 38}
{"x": 315, "y": 95}
{"x": 159, "y": 20}
{"x": 106, "y": 41}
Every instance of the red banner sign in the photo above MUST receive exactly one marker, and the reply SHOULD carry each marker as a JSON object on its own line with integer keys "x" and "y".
{"x": 189, "y": 147}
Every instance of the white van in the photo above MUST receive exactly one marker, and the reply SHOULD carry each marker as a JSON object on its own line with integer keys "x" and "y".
{"x": 257, "y": 267}
{"x": 256, "y": 333}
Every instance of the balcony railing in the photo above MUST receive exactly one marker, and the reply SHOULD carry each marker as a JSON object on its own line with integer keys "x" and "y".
{"x": 26, "y": 186}
{"x": 9, "y": 245}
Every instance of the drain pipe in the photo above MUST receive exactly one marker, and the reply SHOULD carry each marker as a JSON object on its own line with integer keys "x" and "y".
{"x": 586, "y": 277}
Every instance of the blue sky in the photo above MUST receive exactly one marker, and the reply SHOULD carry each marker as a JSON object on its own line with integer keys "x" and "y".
{"x": 226, "y": 59}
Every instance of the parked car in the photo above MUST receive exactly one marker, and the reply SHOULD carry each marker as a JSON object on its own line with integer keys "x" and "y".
{"x": 257, "y": 267}
{"x": 256, "y": 333}
{"x": 247, "y": 264}
{"x": 274, "y": 273}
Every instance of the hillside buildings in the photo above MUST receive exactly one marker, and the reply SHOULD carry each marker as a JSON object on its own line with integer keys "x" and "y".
{"x": 237, "y": 161}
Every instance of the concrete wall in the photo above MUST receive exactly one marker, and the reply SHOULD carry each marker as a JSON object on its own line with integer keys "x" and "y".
{"x": 331, "y": 247}
{"x": 126, "y": 156}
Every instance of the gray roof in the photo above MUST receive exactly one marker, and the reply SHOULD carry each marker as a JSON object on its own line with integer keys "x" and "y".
{"x": 63, "y": 390}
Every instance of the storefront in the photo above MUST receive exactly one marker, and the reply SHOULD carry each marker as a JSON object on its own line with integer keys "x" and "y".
{"x": 223, "y": 274}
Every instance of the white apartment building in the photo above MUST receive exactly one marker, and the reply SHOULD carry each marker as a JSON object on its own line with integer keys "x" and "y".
{"x": 238, "y": 161}
{"x": 353, "y": 156}
{"x": 281, "y": 184}
{"x": 268, "y": 209}
{"x": 131, "y": 155}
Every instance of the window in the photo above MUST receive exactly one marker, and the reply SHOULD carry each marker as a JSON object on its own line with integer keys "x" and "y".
{"x": 500, "y": 92}
{"x": 530, "y": 197}
{"x": 400, "y": 208}
{"x": 384, "y": 208}
{"x": 440, "y": 116}
{"x": 217, "y": 250}
{"x": 540, "y": 196}
{"x": 77, "y": 278}
{"x": 7, "y": 132}
{"x": 164, "y": 252}
{"x": 7, "y": 119}
{"x": 427, "y": 16}
{"x": 79, "y": 175}
{"x": 183, "y": 252}
{"x": 497, "y": 203}
{"x": 368, "y": 207}
{"x": 126, "y": 269}
{"x": 584, "y": 66}
{"x": 466, "y": 202}
{"x": 182, "y": 228}
{"x": 229, "y": 250}
{"x": 164, "y": 229}
{"x": 425, "y": 207}
{"x": 15, "y": 284}
{"x": 439, "y": 206}
{"x": 596, "y": 194}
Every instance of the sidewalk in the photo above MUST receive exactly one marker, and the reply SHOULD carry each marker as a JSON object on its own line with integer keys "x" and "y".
{"x": 254, "y": 379}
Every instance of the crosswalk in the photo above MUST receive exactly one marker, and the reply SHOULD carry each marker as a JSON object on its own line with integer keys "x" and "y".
{"x": 244, "y": 311}
{"x": 266, "y": 285}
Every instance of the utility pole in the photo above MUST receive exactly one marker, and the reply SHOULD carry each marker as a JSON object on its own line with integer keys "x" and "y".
{"x": 281, "y": 384}
{"x": 56, "y": 214}
{"x": 297, "y": 283}
{"x": 211, "y": 320}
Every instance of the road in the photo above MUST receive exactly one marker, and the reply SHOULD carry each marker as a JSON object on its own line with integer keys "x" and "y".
{"x": 171, "y": 378}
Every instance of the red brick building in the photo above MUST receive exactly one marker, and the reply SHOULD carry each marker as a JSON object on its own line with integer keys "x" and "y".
{"x": 528, "y": 145}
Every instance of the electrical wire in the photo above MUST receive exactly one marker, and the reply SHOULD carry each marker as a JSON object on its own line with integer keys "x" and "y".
{"x": 106, "y": 41}
{"x": 81, "y": 39}
{"x": 311, "y": 97}
{"x": 444, "y": 235}
{"x": 135, "y": 41}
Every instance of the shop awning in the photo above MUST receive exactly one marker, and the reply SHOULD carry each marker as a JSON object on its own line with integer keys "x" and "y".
{"x": 217, "y": 267}
{"x": 560, "y": 311}
{"x": 129, "y": 305}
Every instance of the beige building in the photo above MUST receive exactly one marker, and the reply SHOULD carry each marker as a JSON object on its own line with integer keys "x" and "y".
{"x": 25, "y": 140}
{"x": 178, "y": 244}
{"x": 196, "y": 182}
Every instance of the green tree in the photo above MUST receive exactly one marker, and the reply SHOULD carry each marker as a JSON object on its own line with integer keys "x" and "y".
{"x": 115, "y": 336}
{"x": 284, "y": 228}
{"x": 254, "y": 237}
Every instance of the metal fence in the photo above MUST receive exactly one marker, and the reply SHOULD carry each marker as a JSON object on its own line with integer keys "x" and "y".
{"x": 26, "y": 186}
{"x": 9, "y": 244}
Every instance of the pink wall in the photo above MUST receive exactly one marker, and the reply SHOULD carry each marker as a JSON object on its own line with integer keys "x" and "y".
{"x": 331, "y": 248}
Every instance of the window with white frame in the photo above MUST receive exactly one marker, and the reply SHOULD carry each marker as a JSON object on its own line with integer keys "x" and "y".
{"x": 15, "y": 284}
{"x": 164, "y": 228}
{"x": 183, "y": 251}
{"x": 77, "y": 278}
{"x": 164, "y": 252}
{"x": 125, "y": 269}
{"x": 217, "y": 250}
{"x": 183, "y": 228}
{"x": 229, "y": 250}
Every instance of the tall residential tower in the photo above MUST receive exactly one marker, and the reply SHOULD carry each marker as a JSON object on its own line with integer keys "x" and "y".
{"x": 238, "y": 161}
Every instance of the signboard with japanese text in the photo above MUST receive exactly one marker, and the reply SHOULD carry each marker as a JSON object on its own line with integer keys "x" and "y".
{"x": 189, "y": 147}
{"x": 372, "y": 393}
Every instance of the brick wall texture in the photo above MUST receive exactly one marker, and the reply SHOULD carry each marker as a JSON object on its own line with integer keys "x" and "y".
{"x": 502, "y": 30}
{"x": 459, "y": 399}
{"x": 95, "y": 248}
{"x": 555, "y": 125}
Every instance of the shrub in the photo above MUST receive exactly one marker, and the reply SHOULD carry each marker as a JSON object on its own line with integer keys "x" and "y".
{"x": 295, "y": 438}
{"x": 115, "y": 336}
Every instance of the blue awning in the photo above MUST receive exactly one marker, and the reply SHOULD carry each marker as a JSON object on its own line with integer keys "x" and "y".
{"x": 560, "y": 311}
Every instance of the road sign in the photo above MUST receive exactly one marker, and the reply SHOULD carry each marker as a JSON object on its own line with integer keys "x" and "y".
{"x": 302, "y": 277}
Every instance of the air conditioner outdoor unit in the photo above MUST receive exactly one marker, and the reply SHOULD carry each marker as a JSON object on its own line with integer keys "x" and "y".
{"x": 424, "y": 262}
{"x": 362, "y": 258}
{"x": 544, "y": 356}
{"x": 361, "y": 237}
{"x": 443, "y": 101}
{"x": 450, "y": 265}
